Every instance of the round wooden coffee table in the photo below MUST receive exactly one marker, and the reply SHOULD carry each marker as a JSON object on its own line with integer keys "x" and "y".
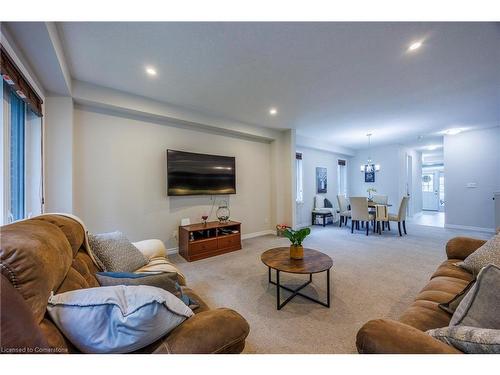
{"x": 313, "y": 262}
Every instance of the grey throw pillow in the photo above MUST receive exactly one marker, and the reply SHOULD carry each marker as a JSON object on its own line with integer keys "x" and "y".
{"x": 167, "y": 281}
{"x": 481, "y": 305}
{"x": 489, "y": 253}
{"x": 470, "y": 340}
{"x": 115, "y": 252}
{"x": 116, "y": 319}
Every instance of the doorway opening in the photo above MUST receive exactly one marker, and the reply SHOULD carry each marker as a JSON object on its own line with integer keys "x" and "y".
{"x": 409, "y": 184}
{"x": 432, "y": 190}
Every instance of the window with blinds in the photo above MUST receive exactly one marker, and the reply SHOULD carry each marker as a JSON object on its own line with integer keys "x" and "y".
{"x": 342, "y": 177}
{"x": 21, "y": 137}
{"x": 299, "y": 178}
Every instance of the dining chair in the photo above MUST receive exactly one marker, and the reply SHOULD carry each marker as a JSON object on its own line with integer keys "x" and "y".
{"x": 359, "y": 213}
{"x": 381, "y": 217}
{"x": 380, "y": 199}
{"x": 401, "y": 215}
{"x": 344, "y": 212}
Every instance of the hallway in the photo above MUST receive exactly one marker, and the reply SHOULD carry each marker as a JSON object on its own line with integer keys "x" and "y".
{"x": 429, "y": 218}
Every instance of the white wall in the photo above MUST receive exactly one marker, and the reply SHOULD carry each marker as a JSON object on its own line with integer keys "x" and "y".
{"x": 58, "y": 148}
{"x": 312, "y": 158}
{"x": 33, "y": 165}
{"x": 391, "y": 179}
{"x": 387, "y": 180}
{"x": 102, "y": 164}
{"x": 471, "y": 157}
{"x": 283, "y": 179}
{"x": 313, "y": 143}
{"x": 415, "y": 203}
{"x": 120, "y": 177}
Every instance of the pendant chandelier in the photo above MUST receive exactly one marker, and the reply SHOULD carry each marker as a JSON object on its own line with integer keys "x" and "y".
{"x": 369, "y": 167}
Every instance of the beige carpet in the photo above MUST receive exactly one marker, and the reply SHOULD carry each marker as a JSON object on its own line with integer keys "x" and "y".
{"x": 373, "y": 277}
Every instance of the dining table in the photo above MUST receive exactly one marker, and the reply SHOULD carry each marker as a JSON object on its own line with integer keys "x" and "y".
{"x": 372, "y": 204}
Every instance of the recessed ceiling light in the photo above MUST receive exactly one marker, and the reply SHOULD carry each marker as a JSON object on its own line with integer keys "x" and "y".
{"x": 414, "y": 46}
{"x": 453, "y": 131}
{"x": 151, "y": 71}
{"x": 273, "y": 111}
{"x": 432, "y": 147}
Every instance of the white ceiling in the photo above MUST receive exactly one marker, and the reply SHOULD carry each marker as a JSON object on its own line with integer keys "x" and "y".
{"x": 332, "y": 81}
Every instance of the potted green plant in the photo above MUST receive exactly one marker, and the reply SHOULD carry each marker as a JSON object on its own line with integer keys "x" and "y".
{"x": 296, "y": 237}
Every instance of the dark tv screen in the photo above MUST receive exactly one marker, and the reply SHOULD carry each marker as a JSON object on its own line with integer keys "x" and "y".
{"x": 189, "y": 173}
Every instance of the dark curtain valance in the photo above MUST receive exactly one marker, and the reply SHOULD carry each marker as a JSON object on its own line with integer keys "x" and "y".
{"x": 16, "y": 80}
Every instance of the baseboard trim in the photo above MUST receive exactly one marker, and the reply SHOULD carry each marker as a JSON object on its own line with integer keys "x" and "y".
{"x": 257, "y": 234}
{"x": 302, "y": 225}
{"x": 175, "y": 250}
{"x": 465, "y": 227}
{"x": 172, "y": 251}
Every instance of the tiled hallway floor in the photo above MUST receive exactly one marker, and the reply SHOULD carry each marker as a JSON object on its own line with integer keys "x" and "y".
{"x": 429, "y": 218}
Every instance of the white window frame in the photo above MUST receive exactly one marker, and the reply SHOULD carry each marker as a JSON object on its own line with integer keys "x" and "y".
{"x": 30, "y": 209}
{"x": 4, "y": 141}
{"x": 342, "y": 174}
{"x": 299, "y": 170}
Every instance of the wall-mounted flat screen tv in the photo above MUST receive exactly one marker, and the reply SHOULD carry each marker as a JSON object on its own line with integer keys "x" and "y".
{"x": 189, "y": 173}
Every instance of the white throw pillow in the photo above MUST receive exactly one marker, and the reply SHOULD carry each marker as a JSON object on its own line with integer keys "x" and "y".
{"x": 319, "y": 202}
{"x": 116, "y": 319}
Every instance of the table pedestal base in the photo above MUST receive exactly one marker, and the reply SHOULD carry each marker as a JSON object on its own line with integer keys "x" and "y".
{"x": 296, "y": 292}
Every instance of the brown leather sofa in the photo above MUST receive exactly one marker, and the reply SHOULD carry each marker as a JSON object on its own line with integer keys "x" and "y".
{"x": 46, "y": 254}
{"x": 407, "y": 336}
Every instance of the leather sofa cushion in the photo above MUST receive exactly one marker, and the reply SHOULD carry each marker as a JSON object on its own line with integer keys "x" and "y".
{"x": 57, "y": 342}
{"x": 18, "y": 330}
{"x": 201, "y": 303}
{"x": 385, "y": 336}
{"x": 35, "y": 256}
{"x": 448, "y": 268}
{"x": 72, "y": 229}
{"x": 424, "y": 313}
{"x": 461, "y": 247}
{"x": 219, "y": 330}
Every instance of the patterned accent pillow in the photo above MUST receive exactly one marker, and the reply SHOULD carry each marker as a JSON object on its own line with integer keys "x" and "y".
{"x": 470, "y": 340}
{"x": 115, "y": 252}
{"x": 489, "y": 253}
